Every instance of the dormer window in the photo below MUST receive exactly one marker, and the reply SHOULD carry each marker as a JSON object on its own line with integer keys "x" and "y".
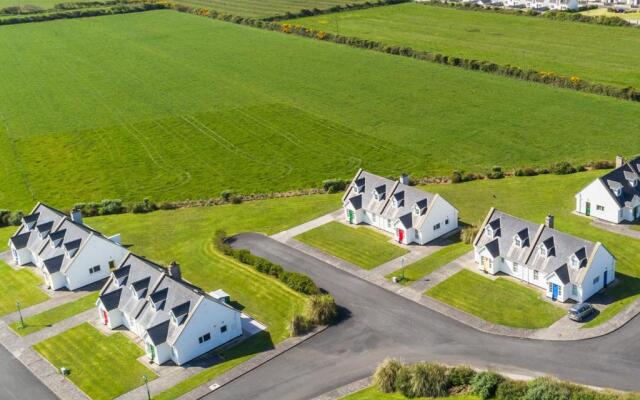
{"x": 180, "y": 313}
{"x": 518, "y": 241}
{"x": 416, "y": 210}
{"x": 544, "y": 252}
{"x": 135, "y": 293}
{"x": 633, "y": 182}
{"x": 490, "y": 231}
{"x": 617, "y": 192}
{"x": 359, "y": 188}
{"x": 575, "y": 263}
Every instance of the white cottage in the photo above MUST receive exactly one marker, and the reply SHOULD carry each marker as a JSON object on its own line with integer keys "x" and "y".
{"x": 565, "y": 266}
{"x": 176, "y": 320}
{"x": 614, "y": 197}
{"x": 68, "y": 253}
{"x": 410, "y": 214}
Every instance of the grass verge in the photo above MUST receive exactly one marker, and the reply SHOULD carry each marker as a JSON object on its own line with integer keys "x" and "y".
{"x": 500, "y": 301}
{"x": 374, "y": 394}
{"x": 103, "y": 367}
{"x": 362, "y": 246}
{"x": 430, "y": 263}
{"x": 48, "y": 318}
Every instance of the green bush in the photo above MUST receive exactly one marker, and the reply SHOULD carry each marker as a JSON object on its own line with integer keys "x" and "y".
{"x": 602, "y": 164}
{"x": 511, "y": 390}
{"x": 167, "y": 205}
{"x": 403, "y": 381}
{"x": 321, "y": 309}
{"x": 468, "y": 234}
{"x": 527, "y": 171}
{"x": 299, "y": 325}
{"x": 429, "y": 380}
{"x": 547, "y": 389}
{"x": 385, "y": 376}
{"x": 298, "y": 282}
{"x": 334, "y": 185}
{"x": 496, "y": 173}
{"x": 461, "y": 376}
{"x": 562, "y": 168}
{"x": 485, "y": 384}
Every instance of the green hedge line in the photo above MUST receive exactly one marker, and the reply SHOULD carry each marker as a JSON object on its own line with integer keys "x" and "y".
{"x": 82, "y": 13}
{"x": 296, "y": 281}
{"x": 334, "y": 9}
{"x": 557, "y": 15}
{"x": 549, "y": 78}
{"x": 434, "y": 380}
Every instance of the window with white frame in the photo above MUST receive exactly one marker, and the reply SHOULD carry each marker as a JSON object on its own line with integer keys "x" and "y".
{"x": 515, "y": 267}
{"x": 436, "y": 227}
{"x": 596, "y": 280}
{"x": 543, "y": 250}
{"x": 518, "y": 241}
{"x": 446, "y": 221}
{"x": 535, "y": 274}
{"x": 223, "y": 329}
{"x": 204, "y": 338}
{"x": 94, "y": 269}
{"x": 574, "y": 290}
{"x": 599, "y": 207}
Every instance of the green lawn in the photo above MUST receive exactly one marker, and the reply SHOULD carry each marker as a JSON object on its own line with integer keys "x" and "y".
{"x": 103, "y": 367}
{"x": 5, "y": 234}
{"x": 125, "y": 117}
{"x": 22, "y": 286}
{"x": 593, "y": 52}
{"x": 47, "y": 318}
{"x": 186, "y": 235}
{"x": 362, "y": 246}
{"x": 553, "y": 194}
{"x": 500, "y": 301}
{"x": 374, "y": 394}
{"x": 632, "y": 16}
{"x": 427, "y": 265}
{"x": 263, "y": 8}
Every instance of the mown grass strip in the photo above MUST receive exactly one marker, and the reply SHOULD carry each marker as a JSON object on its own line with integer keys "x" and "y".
{"x": 430, "y": 263}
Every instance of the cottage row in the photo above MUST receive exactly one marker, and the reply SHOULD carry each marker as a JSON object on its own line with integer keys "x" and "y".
{"x": 176, "y": 320}
{"x": 565, "y": 266}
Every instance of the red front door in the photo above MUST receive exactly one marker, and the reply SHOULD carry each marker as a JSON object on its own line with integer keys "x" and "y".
{"x": 105, "y": 317}
{"x": 400, "y": 235}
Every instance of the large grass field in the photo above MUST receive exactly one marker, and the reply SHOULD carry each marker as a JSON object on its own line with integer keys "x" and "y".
{"x": 103, "y": 367}
{"x": 186, "y": 235}
{"x": 362, "y": 246}
{"x": 19, "y": 286}
{"x": 535, "y": 197}
{"x": 119, "y": 113}
{"x": 430, "y": 263}
{"x": 264, "y": 8}
{"x": 500, "y": 301}
{"x": 594, "y": 52}
{"x": 49, "y": 317}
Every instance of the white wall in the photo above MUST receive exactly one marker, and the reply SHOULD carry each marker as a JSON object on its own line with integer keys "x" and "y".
{"x": 602, "y": 261}
{"x": 598, "y": 195}
{"x": 438, "y": 213}
{"x": 208, "y": 317}
{"x": 97, "y": 251}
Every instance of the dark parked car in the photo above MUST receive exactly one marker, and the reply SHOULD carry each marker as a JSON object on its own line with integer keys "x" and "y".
{"x": 580, "y": 312}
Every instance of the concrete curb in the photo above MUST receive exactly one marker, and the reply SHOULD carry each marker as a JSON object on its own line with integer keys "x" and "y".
{"x": 248, "y": 366}
{"x": 617, "y": 322}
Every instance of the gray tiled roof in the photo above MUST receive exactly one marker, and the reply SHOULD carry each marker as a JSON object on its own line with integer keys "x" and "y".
{"x": 398, "y": 202}
{"x": 162, "y": 295}
{"x": 68, "y": 236}
{"x": 621, "y": 178}
{"x": 562, "y": 245}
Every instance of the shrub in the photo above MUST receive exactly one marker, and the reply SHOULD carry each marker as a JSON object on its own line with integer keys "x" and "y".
{"x": 226, "y": 195}
{"x": 546, "y": 389}
{"x": 15, "y": 218}
{"x": 299, "y": 325}
{"x": 429, "y": 380}
{"x": 299, "y": 282}
{"x": 461, "y": 376}
{"x": 468, "y": 234}
{"x": 485, "y": 384}
{"x": 108, "y": 207}
{"x": 321, "y": 309}
{"x": 495, "y": 173}
{"x": 562, "y": 168}
{"x": 167, "y": 205}
{"x": 236, "y": 200}
{"x": 511, "y": 390}
{"x": 527, "y": 171}
{"x": 602, "y": 164}
{"x": 385, "y": 376}
{"x": 456, "y": 177}
{"x": 334, "y": 185}
{"x": 403, "y": 381}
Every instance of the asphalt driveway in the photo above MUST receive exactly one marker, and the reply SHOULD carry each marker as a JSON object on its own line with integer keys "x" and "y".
{"x": 381, "y": 324}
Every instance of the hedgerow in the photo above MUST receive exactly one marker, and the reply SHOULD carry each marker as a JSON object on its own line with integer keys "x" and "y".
{"x": 334, "y": 9}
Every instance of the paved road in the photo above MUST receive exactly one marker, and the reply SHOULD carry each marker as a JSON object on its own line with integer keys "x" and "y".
{"x": 18, "y": 383}
{"x": 383, "y": 324}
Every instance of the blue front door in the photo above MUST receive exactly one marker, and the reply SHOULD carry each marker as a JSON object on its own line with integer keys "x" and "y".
{"x": 554, "y": 291}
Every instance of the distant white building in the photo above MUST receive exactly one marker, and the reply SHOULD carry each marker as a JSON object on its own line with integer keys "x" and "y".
{"x": 176, "y": 320}
{"x": 565, "y": 266}
{"x": 615, "y": 196}
{"x": 410, "y": 214}
{"x": 68, "y": 253}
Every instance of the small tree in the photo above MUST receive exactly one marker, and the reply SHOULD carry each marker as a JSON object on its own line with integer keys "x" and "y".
{"x": 321, "y": 309}
{"x": 485, "y": 384}
{"x": 385, "y": 376}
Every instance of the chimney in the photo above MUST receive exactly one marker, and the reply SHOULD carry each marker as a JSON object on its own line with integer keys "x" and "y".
{"x": 548, "y": 221}
{"x": 619, "y": 161}
{"x": 174, "y": 270}
{"x": 76, "y": 216}
{"x": 404, "y": 179}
